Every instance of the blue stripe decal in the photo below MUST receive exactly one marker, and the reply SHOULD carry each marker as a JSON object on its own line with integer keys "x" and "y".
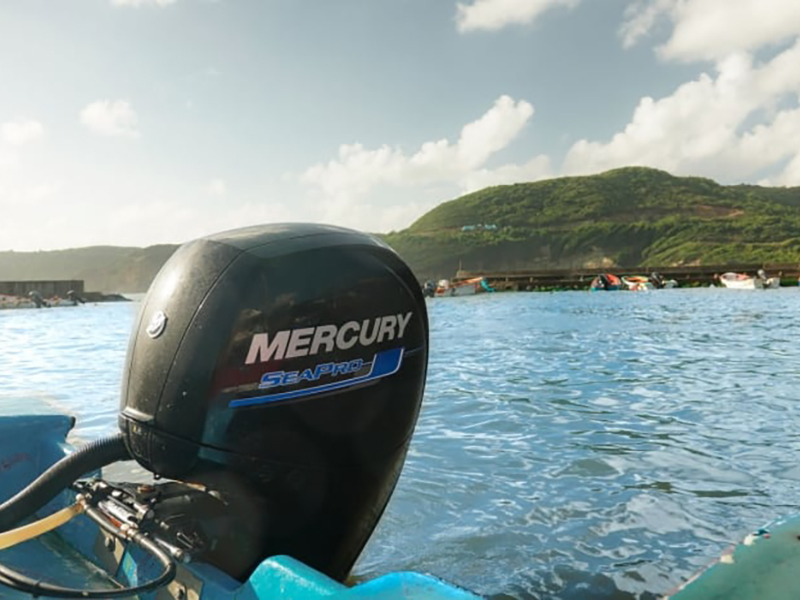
{"x": 384, "y": 364}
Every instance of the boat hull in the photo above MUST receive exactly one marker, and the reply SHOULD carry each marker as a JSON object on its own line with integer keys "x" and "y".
{"x": 459, "y": 290}
{"x": 638, "y": 283}
{"x": 469, "y": 287}
{"x": 606, "y": 282}
{"x": 739, "y": 281}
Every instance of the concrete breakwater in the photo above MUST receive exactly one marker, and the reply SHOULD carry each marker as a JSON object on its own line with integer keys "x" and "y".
{"x": 64, "y": 292}
{"x": 578, "y": 279}
{"x": 48, "y": 289}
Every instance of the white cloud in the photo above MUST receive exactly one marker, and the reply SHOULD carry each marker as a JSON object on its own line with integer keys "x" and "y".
{"x": 21, "y": 131}
{"x": 492, "y": 15}
{"x": 357, "y": 169}
{"x": 771, "y": 144}
{"x": 345, "y": 181}
{"x": 28, "y": 197}
{"x": 640, "y": 17}
{"x": 713, "y": 29}
{"x": 493, "y": 131}
{"x": 9, "y": 159}
{"x": 704, "y": 126}
{"x": 790, "y": 175}
{"x": 181, "y": 220}
{"x": 537, "y": 168}
{"x": 217, "y": 187}
{"x": 116, "y": 118}
{"x": 138, "y": 3}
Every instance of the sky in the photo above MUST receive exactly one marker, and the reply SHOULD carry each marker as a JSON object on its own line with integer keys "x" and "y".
{"x": 139, "y": 122}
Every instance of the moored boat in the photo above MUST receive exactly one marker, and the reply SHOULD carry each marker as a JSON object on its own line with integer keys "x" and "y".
{"x": 742, "y": 281}
{"x": 467, "y": 287}
{"x": 770, "y": 283}
{"x": 607, "y": 282}
{"x": 35, "y": 300}
{"x": 638, "y": 283}
{"x": 659, "y": 282}
{"x": 655, "y": 281}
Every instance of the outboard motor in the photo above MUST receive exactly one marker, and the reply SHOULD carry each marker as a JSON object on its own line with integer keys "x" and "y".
{"x": 282, "y": 367}
{"x": 75, "y": 298}
{"x": 275, "y": 374}
{"x": 657, "y": 280}
{"x": 37, "y": 299}
{"x": 429, "y": 289}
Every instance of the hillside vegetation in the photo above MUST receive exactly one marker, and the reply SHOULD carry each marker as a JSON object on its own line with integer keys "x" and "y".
{"x": 102, "y": 268}
{"x": 628, "y": 217}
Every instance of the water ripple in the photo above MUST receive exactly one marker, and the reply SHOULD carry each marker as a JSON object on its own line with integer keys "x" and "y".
{"x": 596, "y": 445}
{"x": 571, "y": 445}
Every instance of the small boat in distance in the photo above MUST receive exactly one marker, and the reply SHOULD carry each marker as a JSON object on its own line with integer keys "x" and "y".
{"x": 468, "y": 287}
{"x": 638, "y": 283}
{"x": 742, "y": 281}
{"x": 35, "y": 300}
{"x": 607, "y": 282}
{"x": 655, "y": 281}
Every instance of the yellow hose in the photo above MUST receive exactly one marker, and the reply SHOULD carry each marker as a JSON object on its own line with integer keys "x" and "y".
{"x": 37, "y": 528}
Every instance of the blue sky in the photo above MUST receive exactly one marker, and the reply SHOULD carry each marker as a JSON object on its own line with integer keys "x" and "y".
{"x": 135, "y": 122}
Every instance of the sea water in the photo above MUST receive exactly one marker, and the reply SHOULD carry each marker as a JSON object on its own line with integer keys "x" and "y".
{"x": 570, "y": 445}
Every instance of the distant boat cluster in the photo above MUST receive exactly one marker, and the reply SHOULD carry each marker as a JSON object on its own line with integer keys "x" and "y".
{"x": 35, "y": 300}
{"x": 739, "y": 281}
{"x": 608, "y": 282}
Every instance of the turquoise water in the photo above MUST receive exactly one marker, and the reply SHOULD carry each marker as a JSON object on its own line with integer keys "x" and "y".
{"x": 571, "y": 445}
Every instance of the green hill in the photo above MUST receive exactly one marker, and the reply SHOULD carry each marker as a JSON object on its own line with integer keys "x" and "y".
{"x": 102, "y": 268}
{"x": 626, "y": 217}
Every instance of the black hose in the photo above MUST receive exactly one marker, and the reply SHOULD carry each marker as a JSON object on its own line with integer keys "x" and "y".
{"x": 61, "y": 475}
{"x": 37, "y": 588}
{"x": 44, "y": 488}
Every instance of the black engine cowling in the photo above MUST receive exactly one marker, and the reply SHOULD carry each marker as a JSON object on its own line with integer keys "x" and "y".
{"x": 282, "y": 366}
